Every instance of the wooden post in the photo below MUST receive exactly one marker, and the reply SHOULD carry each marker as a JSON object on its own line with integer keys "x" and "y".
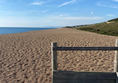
{"x": 116, "y": 62}
{"x": 116, "y": 58}
{"x": 54, "y": 58}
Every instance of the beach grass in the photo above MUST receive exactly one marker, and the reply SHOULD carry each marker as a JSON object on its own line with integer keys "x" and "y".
{"x": 107, "y": 28}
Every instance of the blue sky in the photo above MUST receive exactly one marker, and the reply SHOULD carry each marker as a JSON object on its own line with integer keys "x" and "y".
{"x": 41, "y": 13}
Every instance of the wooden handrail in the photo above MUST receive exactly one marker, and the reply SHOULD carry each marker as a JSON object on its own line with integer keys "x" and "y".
{"x": 84, "y": 48}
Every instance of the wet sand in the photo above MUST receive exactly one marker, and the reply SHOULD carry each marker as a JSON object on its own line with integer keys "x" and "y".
{"x": 26, "y": 57}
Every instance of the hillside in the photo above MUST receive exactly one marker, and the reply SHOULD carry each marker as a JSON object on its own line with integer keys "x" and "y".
{"x": 116, "y": 19}
{"x": 108, "y": 28}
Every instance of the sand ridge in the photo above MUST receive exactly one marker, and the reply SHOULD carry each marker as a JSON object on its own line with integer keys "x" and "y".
{"x": 26, "y": 57}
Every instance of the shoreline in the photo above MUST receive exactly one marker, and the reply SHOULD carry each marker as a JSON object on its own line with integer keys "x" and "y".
{"x": 20, "y": 30}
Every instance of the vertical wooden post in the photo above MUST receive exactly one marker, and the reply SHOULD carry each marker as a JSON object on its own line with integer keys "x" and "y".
{"x": 116, "y": 62}
{"x": 116, "y": 58}
{"x": 54, "y": 58}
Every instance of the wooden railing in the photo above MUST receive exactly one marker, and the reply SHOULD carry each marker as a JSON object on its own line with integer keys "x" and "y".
{"x": 83, "y": 77}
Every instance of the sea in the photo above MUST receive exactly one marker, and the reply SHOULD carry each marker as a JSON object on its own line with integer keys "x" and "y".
{"x": 10, "y": 30}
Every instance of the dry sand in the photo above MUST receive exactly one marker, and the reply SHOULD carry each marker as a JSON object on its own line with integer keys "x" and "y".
{"x": 26, "y": 57}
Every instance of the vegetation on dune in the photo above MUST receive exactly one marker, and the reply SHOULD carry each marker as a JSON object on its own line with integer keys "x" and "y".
{"x": 115, "y": 19}
{"x": 102, "y": 28}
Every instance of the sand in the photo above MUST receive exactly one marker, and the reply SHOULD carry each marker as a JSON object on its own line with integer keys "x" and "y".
{"x": 26, "y": 57}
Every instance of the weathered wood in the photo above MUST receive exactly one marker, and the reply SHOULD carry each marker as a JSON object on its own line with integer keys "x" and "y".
{"x": 83, "y": 81}
{"x": 116, "y": 58}
{"x": 116, "y": 62}
{"x": 54, "y": 56}
{"x": 85, "y": 48}
{"x": 83, "y": 77}
{"x": 116, "y": 77}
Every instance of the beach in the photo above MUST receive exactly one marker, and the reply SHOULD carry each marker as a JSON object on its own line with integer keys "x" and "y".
{"x": 26, "y": 57}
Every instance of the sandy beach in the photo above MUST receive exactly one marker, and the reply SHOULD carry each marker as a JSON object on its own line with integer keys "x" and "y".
{"x": 26, "y": 57}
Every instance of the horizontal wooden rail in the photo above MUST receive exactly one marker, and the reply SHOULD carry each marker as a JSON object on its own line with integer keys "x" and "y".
{"x": 86, "y": 75}
{"x": 84, "y": 48}
{"x": 83, "y": 77}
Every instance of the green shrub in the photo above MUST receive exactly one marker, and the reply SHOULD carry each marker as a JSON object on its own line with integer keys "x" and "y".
{"x": 102, "y": 28}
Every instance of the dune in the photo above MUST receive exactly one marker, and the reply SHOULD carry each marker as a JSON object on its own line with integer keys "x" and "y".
{"x": 26, "y": 57}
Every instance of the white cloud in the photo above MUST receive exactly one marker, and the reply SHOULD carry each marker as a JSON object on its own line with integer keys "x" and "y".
{"x": 61, "y": 15}
{"x": 49, "y": 0}
{"x": 41, "y": 2}
{"x": 103, "y": 4}
{"x": 56, "y": 12}
{"x": 70, "y": 21}
{"x": 45, "y": 11}
{"x": 110, "y": 15}
{"x": 19, "y": 21}
{"x": 37, "y": 3}
{"x": 32, "y": 11}
{"x": 91, "y": 12}
{"x": 66, "y": 3}
{"x": 81, "y": 0}
{"x": 46, "y": 21}
{"x": 75, "y": 18}
{"x": 51, "y": 20}
{"x": 115, "y": 0}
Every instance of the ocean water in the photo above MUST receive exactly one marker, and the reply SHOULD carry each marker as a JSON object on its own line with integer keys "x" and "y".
{"x": 10, "y": 30}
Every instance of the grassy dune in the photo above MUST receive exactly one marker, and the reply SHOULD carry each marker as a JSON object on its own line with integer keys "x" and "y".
{"x": 108, "y": 28}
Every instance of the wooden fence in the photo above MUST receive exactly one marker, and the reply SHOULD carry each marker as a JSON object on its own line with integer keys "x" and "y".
{"x": 59, "y": 76}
